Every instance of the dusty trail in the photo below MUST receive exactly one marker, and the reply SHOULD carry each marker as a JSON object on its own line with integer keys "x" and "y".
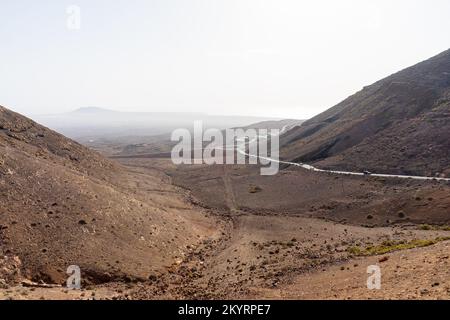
{"x": 229, "y": 193}
{"x": 271, "y": 256}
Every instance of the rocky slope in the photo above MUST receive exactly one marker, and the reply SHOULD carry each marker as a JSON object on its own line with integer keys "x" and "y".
{"x": 63, "y": 204}
{"x": 399, "y": 125}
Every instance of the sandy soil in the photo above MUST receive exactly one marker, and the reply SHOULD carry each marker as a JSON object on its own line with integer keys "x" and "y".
{"x": 421, "y": 273}
{"x": 256, "y": 250}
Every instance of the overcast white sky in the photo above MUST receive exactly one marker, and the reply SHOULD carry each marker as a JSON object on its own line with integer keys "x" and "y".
{"x": 283, "y": 58}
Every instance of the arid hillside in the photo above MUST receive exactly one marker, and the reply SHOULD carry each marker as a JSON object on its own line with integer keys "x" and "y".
{"x": 398, "y": 125}
{"x": 62, "y": 205}
{"x": 275, "y": 124}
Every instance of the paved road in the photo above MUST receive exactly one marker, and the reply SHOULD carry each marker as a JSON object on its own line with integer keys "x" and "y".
{"x": 349, "y": 173}
{"x": 312, "y": 168}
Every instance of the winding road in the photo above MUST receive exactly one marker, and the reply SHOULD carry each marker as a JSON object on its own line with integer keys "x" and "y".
{"x": 312, "y": 168}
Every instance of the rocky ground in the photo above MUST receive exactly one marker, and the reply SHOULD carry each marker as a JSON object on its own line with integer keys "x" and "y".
{"x": 292, "y": 236}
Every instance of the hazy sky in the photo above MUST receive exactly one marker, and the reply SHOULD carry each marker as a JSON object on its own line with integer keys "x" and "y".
{"x": 284, "y": 58}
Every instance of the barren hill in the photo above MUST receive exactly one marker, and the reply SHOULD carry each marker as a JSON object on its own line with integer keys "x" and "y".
{"x": 275, "y": 124}
{"x": 63, "y": 204}
{"x": 399, "y": 125}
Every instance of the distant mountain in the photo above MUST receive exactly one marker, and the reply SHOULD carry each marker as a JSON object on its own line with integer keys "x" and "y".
{"x": 88, "y": 123}
{"x": 89, "y": 110}
{"x": 400, "y": 125}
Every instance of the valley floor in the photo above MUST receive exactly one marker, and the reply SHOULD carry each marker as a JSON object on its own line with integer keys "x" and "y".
{"x": 295, "y": 251}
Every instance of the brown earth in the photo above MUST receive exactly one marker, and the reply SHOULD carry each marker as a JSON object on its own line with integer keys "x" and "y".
{"x": 63, "y": 205}
{"x": 269, "y": 245}
{"x": 361, "y": 200}
{"x": 398, "y": 125}
{"x": 262, "y": 252}
{"x": 421, "y": 273}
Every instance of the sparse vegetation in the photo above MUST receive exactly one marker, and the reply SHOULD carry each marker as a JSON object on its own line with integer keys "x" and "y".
{"x": 390, "y": 246}
{"x": 254, "y": 189}
{"x": 434, "y": 227}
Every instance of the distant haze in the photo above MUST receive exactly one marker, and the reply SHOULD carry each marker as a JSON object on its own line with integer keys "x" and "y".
{"x": 92, "y": 123}
{"x": 277, "y": 58}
